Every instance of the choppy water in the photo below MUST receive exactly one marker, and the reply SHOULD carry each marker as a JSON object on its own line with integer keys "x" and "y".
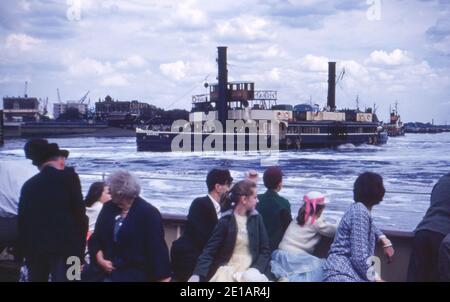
{"x": 170, "y": 181}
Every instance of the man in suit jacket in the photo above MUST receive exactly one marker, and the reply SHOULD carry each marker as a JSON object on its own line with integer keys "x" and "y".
{"x": 51, "y": 216}
{"x": 201, "y": 220}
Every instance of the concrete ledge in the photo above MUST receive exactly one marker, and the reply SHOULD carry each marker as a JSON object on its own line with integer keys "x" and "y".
{"x": 395, "y": 271}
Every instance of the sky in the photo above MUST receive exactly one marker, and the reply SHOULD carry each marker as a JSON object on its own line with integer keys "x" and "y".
{"x": 162, "y": 52}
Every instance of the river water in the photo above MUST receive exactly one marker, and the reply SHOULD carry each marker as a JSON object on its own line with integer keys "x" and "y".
{"x": 410, "y": 166}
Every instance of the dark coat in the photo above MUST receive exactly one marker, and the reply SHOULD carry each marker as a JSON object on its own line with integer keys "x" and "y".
{"x": 201, "y": 220}
{"x": 140, "y": 253}
{"x": 220, "y": 247}
{"x": 444, "y": 259}
{"x": 276, "y": 213}
{"x": 51, "y": 215}
{"x": 437, "y": 217}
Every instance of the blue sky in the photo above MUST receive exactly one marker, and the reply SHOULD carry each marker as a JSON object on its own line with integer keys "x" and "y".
{"x": 161, "y": 51}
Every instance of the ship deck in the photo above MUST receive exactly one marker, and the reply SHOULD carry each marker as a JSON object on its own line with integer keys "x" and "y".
{"x": 395, "y": 271}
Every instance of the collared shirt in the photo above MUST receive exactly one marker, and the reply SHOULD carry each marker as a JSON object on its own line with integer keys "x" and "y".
{"x": 216, "y": 205}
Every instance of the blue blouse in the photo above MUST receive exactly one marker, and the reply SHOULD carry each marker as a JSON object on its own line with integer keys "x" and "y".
{"x": 353, "y": 245}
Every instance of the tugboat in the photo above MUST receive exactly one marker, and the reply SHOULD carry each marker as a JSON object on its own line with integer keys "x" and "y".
{"x": 395, "y": 126}
{"x": 258, "y": 122}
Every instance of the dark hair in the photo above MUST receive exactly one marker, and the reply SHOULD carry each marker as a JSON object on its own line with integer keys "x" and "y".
{"x": 301, "y": 213}
{"x": 368, "y": 189}
{"x": 272, "y": 177}
{"x": 41, "y": 151}
{"x": 94, "y": 193}
{"x": 231, "y": 198}
{"x": 218, "y": 176}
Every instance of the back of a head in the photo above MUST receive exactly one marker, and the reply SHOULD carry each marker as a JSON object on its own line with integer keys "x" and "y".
{"x": 272, "y": 177}
{"x": 369, "y": 189}
{"x": 35, "y": 150}
{"x": 239, "y": 189}
{"x": 123, "y": 183}
{"x": 218, "y": 176}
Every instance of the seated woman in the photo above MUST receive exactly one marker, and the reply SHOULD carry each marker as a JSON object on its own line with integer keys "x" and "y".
{"x": 350, "y": 255}
{"x": 128, "y": 241}
{"x": 239, "y": 240}
{"x": 97, "y": 195}
{"x": 293, "y": 260}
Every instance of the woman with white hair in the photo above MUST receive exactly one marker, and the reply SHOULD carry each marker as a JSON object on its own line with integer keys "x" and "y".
{"x": 128, "y": 241}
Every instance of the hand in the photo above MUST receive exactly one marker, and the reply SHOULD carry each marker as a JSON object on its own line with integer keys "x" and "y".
{"x": 389, "y": 252}
{"x": 388, "y": 249}
{"x": 106, "y": 265}
{"x": 194, "y": 278}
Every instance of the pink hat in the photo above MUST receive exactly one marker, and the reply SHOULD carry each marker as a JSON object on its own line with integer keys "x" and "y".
{"x": 312, "y": 199}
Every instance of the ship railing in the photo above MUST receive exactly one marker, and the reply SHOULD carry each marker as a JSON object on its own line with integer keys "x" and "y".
{"x": 174, "y": 225}
{"x": 259, "y": 95}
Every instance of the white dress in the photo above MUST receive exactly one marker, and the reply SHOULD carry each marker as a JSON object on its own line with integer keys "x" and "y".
{"x": 241, "y": 259}
{"x": 92, "y": 213}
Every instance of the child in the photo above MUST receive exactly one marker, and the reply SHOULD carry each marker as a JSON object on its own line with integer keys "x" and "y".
{"x": 293, "y": 260}
{"x": 239, "y": 240}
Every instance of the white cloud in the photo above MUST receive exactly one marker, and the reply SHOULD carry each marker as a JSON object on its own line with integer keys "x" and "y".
{"x": 88, "y": 67}
{"x": 396, "y": 57}
{"x": 115, "y": 80}
{"x": 314, "y": 63}
{"x": 275, "y": 74}
{"x": 132, "y": 61}
{"x": 118, "y": 47}
{"x": 175, "y": 70}
{"x": 245, "y": 28}
{"x": 188, "y": 14}
{"x": 21, "y": 42}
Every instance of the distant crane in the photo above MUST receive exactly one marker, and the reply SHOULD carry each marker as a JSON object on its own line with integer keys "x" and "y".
{"x": 340, "y": 77}
{"x": 44, "y": 110}
{"x": 84, "y": 97}
{"x": 59, "y": 96}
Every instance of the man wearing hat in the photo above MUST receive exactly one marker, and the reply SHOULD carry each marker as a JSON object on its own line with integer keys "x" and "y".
{"x": 51, "y": 216}
{"x": 275, "y": 210}
{"x": 202, "y": 218}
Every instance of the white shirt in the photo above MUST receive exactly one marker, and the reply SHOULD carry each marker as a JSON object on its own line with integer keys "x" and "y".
{"x": 216, "y": 205}
{"x": 92, "y": 213}
{"x": 13, "y": 174}
{"x": 305, "y": 238}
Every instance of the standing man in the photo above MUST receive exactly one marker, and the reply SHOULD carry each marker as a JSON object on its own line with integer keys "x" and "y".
{"x": 429, "y": 234}
{"x": 14, "y": 175}
{"x": 51, "y": 216}
{"x": 275, "y": 210}
{"x": 202, "y": 218}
